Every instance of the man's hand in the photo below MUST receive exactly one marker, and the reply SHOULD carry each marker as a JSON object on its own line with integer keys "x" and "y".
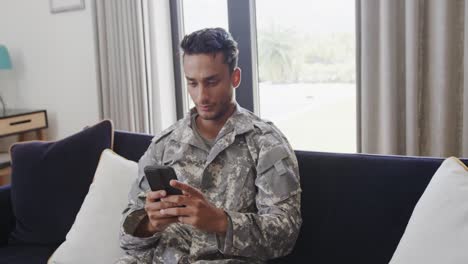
{"x": 154, "y": 221}
{"x": 197, "y": 212}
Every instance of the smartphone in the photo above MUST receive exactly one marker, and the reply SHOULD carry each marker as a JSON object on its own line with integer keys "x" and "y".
{"x": 158, "y": 178}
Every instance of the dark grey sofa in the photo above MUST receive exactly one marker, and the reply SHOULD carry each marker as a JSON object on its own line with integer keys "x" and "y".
{"x": 355, "y": 207}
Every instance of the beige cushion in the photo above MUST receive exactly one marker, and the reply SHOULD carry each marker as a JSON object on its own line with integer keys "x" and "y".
{"x": 94, "y": 236}
{"x": 437, "y": 231}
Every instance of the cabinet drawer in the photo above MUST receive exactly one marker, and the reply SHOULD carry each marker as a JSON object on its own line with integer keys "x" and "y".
{"x": 22, "y": 123}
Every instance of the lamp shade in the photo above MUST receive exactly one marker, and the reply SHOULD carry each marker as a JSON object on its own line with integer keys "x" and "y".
{"x": 5, "y": 62}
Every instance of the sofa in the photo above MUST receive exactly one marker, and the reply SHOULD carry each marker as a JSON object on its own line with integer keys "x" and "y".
{"x": 355, "y": 207}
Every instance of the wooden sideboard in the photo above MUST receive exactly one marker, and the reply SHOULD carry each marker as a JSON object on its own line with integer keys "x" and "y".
{"x": 19, "y": 122}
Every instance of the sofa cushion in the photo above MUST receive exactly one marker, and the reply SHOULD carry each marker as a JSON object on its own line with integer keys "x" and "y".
{"x": 437, "y": 231}
{"x": 94, "y": 237}
{"x": 25, "y": 254}
{"x": 50, "y": 181}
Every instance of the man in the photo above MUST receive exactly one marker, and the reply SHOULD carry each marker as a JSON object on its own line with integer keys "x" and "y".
{"x": 238, "y": 174}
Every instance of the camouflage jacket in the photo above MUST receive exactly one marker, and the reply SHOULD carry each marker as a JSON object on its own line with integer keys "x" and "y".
{"x": 251, "y": 172}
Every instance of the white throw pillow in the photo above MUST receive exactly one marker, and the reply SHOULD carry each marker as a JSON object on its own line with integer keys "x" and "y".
{"x": 94, "y": 236}
{"x": 437, "y": 231}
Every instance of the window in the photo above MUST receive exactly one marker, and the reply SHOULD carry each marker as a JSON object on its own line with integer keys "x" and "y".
{"x": 198, "y": 14}
{"x": 304, "y": 56}
{"x": 306, "y": 61}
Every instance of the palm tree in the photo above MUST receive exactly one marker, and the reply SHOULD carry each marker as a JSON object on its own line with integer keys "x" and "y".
{"x": 276, "y": 55}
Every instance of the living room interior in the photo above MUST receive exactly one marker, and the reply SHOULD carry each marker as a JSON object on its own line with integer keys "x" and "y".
{"x": 371, "y": 94}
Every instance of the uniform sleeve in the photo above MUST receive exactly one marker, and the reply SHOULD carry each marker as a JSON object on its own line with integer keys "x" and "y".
{"x": 273, "y": 230}
{"x": 134, "y": 212}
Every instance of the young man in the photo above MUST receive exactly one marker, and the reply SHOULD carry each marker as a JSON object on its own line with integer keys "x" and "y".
{"x": 238, "y": 174}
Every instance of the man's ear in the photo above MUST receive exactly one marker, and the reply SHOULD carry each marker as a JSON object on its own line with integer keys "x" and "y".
{"x": 236, "y": 77}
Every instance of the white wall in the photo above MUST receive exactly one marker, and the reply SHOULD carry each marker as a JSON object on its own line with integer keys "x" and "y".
{"x": 54, "y": 63}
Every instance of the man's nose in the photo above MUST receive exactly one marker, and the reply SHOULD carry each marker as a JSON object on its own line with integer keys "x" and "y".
{"x": 203, "y": 93}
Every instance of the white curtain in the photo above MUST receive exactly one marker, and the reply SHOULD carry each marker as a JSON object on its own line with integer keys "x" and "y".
{"x": 413, "y": 97}
{"x": 136, "y": 64}
{"x": 122, "y": 67}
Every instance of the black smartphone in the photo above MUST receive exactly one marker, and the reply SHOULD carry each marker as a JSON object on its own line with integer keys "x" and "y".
{"x": 158, "y": 178}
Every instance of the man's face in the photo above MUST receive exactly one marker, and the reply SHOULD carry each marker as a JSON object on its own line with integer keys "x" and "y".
{"x": 210, "y": 84}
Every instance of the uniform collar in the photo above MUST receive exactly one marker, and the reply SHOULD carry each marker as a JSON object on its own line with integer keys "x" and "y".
{"x": 239, "y": 122}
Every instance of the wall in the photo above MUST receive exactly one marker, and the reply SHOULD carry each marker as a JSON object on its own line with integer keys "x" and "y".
{"x": 53, "y": 56}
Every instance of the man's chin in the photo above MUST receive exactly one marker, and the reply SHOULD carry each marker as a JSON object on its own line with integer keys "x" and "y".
{"x": 206, "y": 116}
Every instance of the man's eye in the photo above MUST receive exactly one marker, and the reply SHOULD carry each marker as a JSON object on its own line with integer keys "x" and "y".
{"x": 212, "y": 83}
{"x": 192, "y": 84}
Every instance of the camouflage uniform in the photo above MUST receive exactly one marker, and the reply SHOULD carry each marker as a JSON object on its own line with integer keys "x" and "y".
{"x": 251, "y": 172}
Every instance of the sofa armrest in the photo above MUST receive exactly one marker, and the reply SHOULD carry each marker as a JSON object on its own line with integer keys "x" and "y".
{"x": 7, "y": 219}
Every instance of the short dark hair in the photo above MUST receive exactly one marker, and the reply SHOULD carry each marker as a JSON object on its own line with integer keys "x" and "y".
{"x": 212, "y": 41}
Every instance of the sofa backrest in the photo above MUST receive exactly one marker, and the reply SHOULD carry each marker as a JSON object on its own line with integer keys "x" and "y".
{"x": 355, "y": 207}
{"x": 131, "y": 145}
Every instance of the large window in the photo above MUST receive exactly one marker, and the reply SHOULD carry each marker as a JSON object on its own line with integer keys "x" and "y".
{"x": 306, "y": 59}
{"x": 304, "y": 51}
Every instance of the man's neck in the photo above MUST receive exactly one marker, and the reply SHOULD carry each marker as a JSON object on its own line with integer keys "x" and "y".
{"x": 209, "y": 129}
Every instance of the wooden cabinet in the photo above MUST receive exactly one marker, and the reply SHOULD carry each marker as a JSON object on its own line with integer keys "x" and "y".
{"x": 18, "y": 122}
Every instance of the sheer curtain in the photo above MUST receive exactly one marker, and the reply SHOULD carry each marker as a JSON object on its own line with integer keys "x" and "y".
{"x": 123, "y": 82}
{"x": 135, "y": 61}
{"x": 413, "y": 94}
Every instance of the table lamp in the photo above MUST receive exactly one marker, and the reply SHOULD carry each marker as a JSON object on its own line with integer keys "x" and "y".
{"x": 5, "y": 64}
